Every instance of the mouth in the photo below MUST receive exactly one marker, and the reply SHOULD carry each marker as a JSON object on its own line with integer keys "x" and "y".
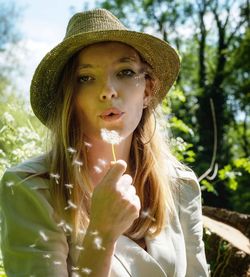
{"x": 111, "y": 114}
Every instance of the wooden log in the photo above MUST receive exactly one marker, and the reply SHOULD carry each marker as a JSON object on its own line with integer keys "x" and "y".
{"x": 227, "y": 248}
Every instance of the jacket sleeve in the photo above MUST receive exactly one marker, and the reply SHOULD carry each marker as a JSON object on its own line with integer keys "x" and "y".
{"x": 31, "y": 242}
{"x": 192, "y": 226}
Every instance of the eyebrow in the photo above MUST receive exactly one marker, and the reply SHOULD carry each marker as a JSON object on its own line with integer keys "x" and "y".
{"x": 121, "y": 60}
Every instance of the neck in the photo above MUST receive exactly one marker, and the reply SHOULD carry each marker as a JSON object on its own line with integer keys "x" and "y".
{"x": 99, "y": 156}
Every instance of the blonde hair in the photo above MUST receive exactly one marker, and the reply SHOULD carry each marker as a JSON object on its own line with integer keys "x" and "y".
{"x": 149, "y": 165}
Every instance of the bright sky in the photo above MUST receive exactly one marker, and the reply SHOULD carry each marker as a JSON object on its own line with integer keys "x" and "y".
{"x": 43, "y": 26}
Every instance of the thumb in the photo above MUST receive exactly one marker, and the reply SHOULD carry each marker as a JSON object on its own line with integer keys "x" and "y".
{"x": 115, "y": 172}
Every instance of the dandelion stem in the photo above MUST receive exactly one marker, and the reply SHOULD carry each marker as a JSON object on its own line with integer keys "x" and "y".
{"x": 113, "y": 152}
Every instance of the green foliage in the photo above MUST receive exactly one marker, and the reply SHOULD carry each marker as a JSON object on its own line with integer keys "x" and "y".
{"x": 21, "y": 136}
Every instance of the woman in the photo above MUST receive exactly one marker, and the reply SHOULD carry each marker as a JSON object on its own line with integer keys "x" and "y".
{"x": 76, "y": 211}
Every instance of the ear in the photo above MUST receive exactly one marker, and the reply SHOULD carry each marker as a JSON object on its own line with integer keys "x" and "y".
{"x": 148, "y": 92}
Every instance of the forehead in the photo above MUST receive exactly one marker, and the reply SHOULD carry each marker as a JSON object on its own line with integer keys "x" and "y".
{"x": 109, "y": 50}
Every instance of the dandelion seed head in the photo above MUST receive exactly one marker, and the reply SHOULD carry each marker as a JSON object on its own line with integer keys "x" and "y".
{"x": 111, "y": 136}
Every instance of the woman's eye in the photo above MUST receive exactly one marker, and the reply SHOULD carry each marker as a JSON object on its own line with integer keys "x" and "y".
{"x": 126, "y": 73}
{"x": 84, "y": 79}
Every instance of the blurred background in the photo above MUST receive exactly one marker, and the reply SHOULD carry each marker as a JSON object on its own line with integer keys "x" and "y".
{"x": 207, "y": 113}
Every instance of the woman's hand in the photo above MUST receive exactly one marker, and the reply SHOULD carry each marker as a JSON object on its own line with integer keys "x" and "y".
{"x": 115, "y": 204}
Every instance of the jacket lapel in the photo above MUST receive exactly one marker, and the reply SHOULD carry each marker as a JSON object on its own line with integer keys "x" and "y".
{"x": 136, "y": 260}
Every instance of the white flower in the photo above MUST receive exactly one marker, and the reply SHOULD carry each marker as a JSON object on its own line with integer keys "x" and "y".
{"x": 111, "y": 136}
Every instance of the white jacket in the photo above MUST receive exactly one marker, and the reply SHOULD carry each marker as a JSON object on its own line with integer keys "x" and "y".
{"x": 34, "y": 244}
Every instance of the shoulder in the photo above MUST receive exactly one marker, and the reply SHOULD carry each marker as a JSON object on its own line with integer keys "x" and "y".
{"x": 34, "y": 165}
{"x": 32, "y": 172}
{"x": 186, "y": 183}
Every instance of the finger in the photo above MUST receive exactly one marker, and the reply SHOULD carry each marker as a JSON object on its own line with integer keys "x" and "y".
{"x": 124, "y": 182}
{"x": 137, "y": 202}
{"x": 115, "y": 172}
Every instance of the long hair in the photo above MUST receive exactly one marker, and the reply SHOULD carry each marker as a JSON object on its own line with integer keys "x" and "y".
{"x": 71, "y": 190}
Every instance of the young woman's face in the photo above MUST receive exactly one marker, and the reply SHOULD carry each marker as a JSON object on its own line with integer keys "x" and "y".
{"x": 111, "y": 89}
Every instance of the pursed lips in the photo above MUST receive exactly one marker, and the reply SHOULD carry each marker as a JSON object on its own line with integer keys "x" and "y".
{"x": 110, "y": 112}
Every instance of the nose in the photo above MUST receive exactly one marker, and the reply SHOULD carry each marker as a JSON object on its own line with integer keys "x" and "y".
{"x": 108, "y": 91}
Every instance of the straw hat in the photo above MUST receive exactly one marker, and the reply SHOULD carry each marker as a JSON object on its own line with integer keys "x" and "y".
{"x": 90, "y": 27}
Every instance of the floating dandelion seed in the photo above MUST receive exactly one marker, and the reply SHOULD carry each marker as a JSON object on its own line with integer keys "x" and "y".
{"x": 44, "y": 237}
{"x": 71, "y": 150}
{"x": 147, "y": 214}
{"x": 102, "y": 162}
{"x": 97, "y": 169}
{"x": 61, "y": 223}
{"x": 86, "y": 270}
{"x": 55, "y": 176}
{"x": 57, "y": 262}
{"x": 79, "y": 247}
{"x": 71, "y": 205}
{"x": 87, "y": 144}
{"x": 98, "y": 243}
{"x": 94, "y": 233}
{"x": 82, "y": 231}
{"x": 74, "y": 268}
{"x": 69, "y": 186}
{"x": 47, "y": 256}
{"x": 32, "y": 245}
{"x": 67, "y": 227}
{"x": 10, "y": 185}
{"x": 78, "y": 163}
{"x": 112, "y": 137}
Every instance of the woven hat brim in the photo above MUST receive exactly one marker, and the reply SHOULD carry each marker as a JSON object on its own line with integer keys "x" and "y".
{"x": 159, "y": 54}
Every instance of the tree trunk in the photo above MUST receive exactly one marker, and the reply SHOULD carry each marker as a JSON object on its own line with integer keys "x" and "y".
{"x": 227, "y": 248}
